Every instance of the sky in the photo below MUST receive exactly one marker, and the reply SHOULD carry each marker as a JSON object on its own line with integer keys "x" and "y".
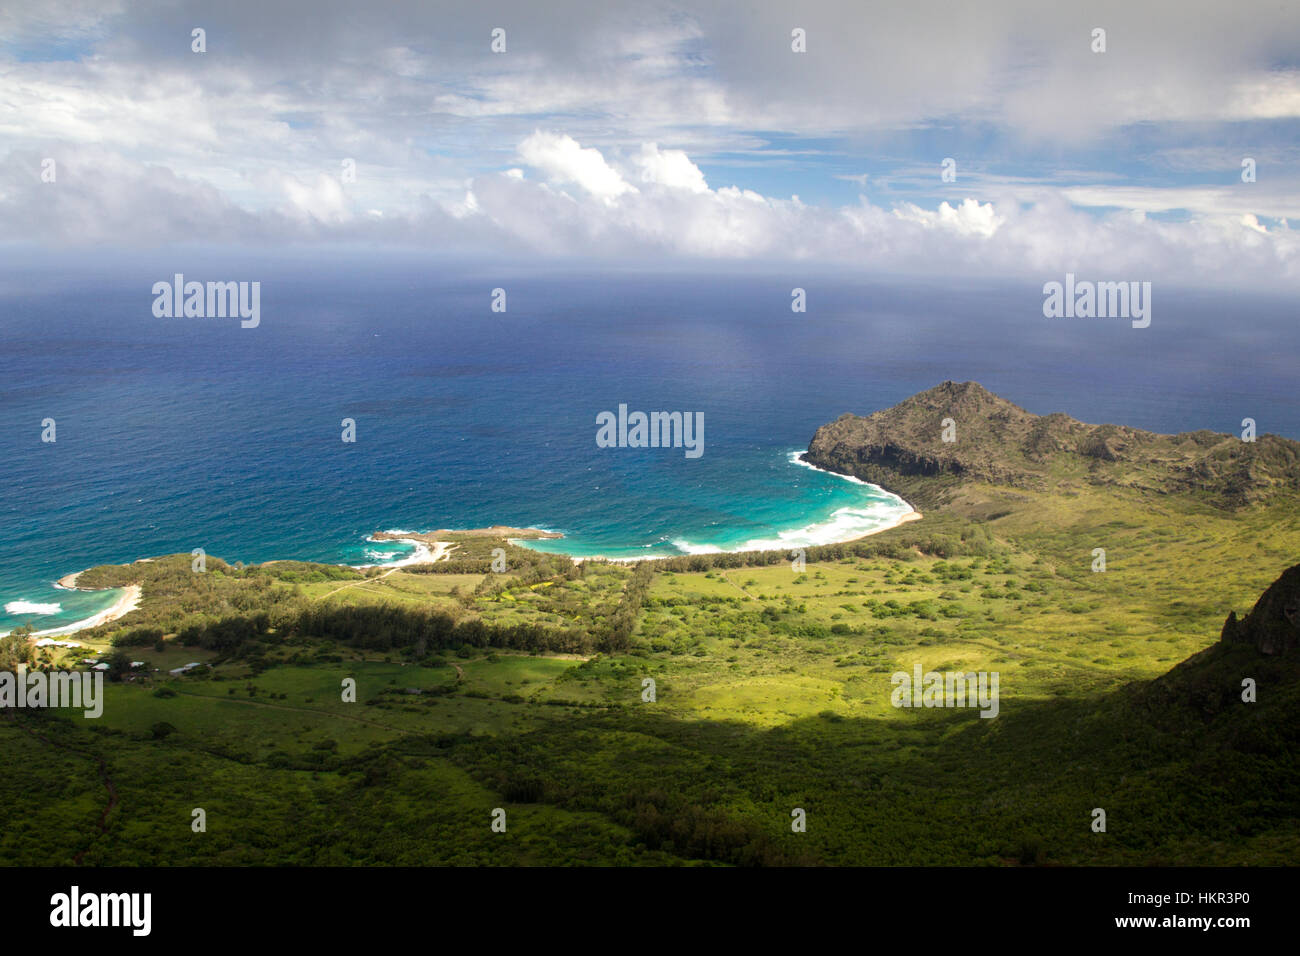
{"x": 666, "y": 133}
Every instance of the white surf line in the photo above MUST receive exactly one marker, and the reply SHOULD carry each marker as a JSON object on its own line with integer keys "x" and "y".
{"x": 796, "y": 458}
{"x": 124, "y": 605}
{"x": 423, "y": 554}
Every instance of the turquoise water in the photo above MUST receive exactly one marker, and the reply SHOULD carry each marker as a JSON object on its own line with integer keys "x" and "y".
{"x": 822, "y": 508}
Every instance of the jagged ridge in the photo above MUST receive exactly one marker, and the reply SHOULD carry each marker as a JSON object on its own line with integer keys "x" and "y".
{"x": 1273, "y": 625}
{"x": 999, "y": 443}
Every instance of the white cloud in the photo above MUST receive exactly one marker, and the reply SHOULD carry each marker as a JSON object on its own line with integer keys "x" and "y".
{"x": 562, "y": 160}
{"x": 100, "y": 198}
{"x": 669, "y": 167}
{"x": 1273, "y": 200}
{"x": 321, "y": 198}
{"x": 970, "y": 218}
{"x": 1273, "y": 95}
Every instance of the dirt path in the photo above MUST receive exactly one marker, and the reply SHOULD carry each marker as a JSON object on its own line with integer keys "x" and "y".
{"x": 440, "y": 552}
{"x": 352, "y": 584}
{"x": 108, "y": 808}
{"x": 738, "y": 587}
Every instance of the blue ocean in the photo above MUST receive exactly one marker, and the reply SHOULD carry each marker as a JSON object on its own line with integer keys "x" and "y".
{"x": 179, "y": 433}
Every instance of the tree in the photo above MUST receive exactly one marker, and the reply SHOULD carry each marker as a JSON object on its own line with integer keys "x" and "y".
{"x": 119, "y": 665}
{"x": 16, "y": 648}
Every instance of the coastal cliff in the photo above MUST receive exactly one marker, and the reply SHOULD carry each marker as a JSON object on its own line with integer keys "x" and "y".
{"x": 995, "y": 442}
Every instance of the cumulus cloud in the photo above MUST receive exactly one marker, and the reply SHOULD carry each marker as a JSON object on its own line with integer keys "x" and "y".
{"x": 969, "y": 218}
{"x": 669, "y": 167}
{"x": 970, "y": 236}
{"x": 573, "y": 200}
{"x": 320, "y": 199}
{"x": 563, "y": 160}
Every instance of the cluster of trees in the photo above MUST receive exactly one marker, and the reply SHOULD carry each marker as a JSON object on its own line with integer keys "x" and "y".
{"x": 458, "y": 566}
{"x": 138, "y": 637}
{"x": 175, "y": 592}
{"x": 672, "y": 823}
{"x": 302, "y": 572}
{"x": 119, "y": 664}
{"x": 973, "y": 541}
{"x": 616, "y": 634}
{"x": 381, "y": 627}
{"x": 15, "y": 648}
{"x": 528, "y": 566}
{"x": 385, "y": 627}
{"x": 227, "y": 634}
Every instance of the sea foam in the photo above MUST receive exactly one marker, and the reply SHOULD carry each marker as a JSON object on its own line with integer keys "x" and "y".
{"x": 28, "y": 607}
{"x": 844, "y": 524}
{"x": 420, "y": 554}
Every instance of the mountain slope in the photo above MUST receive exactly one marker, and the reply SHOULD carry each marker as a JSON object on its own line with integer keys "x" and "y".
{"x": 999, "y": 443}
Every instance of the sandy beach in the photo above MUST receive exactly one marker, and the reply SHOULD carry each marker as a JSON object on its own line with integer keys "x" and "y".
{"x": 900, "y": 520}
{"x": 127, "y": 603}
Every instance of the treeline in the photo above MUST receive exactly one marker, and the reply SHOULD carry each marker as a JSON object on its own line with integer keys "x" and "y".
{"x": 973, "y": 541}
{"x": 381, "y": 627}
{"x": 138, "y": 637}
{"x": 176, "y": 573}
{"x": 616, "y": 635}
{"x": 528, "y": 566}
{"x": 458, "y": 566}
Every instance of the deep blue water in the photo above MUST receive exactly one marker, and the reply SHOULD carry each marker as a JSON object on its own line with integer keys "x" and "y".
{"x": 183, "y": 433}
